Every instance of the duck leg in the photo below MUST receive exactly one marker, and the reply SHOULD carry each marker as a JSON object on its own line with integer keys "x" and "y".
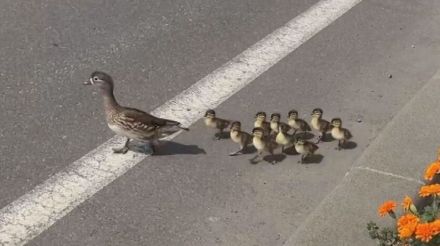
{"x": 154, "y": 146}
{"x": 123, "y": 149}
{"x": 257, "y": 158}
{"x": 218, "y": 135}
{"x": 240, "y": 151}
{"x": 339, "y": 145}
{"x": 320, "y": 137}
{"x": 273, "y": 161}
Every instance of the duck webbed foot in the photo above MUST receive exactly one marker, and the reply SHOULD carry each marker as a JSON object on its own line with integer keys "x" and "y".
{"x": 123, "y": 149}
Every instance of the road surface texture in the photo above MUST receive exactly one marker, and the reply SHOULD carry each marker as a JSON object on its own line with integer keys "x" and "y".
{"x": 364, "y": 67}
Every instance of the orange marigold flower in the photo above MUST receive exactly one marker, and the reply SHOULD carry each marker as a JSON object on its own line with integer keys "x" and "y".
{"x": 425, "y": 231}
{"x": 406, "y": 225}
{"x": 428, "y": 190}
{"x": 436, "y": 225}
{"x": 386, "y": 207}
{"x": 407, "y": 201}
{"x": 432, "y": 170}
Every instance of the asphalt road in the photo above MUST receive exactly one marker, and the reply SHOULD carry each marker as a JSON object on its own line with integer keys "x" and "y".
{"x": 154, "y": 50}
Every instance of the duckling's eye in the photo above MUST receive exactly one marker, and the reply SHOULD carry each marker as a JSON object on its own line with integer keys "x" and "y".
{"x": 95, "y": 78}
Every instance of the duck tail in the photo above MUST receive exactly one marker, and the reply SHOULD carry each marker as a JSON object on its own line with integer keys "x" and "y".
{"x": 183, "y": 128}
{"x": 176, "y": 124}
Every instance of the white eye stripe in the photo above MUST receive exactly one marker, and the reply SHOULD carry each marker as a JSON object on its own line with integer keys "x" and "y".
{"x": 91, "y": 81}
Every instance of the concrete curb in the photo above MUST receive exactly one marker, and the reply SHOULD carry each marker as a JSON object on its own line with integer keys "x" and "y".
{"x": 389, "y": 168}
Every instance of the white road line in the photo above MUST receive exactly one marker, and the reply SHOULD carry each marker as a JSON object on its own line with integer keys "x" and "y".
{"x": 391, "y": 174}
{"x": 36, "y": 211}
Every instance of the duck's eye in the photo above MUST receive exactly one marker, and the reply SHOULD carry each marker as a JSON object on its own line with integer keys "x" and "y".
{"x": 95, "y": 78}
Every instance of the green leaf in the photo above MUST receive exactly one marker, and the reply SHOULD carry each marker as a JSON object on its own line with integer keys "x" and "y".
{"x": 428, "y": 216}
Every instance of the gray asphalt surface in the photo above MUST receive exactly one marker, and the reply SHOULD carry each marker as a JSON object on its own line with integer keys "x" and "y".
{"x": 155, "y": 50}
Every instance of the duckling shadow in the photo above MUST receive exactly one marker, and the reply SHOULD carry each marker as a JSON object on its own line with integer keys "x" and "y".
{"x": 249, "y": 150}
{"x": 327, "y": 138}
{"x": 223, "y": 135}
{"x": 290, "y": 151}
{"x": 350, "y": 145}
{"x": 274, "y": 158}
{"x": 314, "y": 159}
{"x": 305, "y": 135}
{"x": 170, "y": 148}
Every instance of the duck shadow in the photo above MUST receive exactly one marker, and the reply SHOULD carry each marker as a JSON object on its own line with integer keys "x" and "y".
{"x": 305, "y": 135}
{"x": 313, "y": 159}
{"x": 169, "y": 148}
{"x": 276, "y": 158}
{"x": 249, "y": 150}
{"x": 290, "y": 151}
{"x": 223, "y": 135}
{"x": 349, "y": 145}
{"x": 327, "y": 138}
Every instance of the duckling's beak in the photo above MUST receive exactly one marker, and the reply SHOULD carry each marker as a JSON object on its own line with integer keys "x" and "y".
{"x": 88, "y": 82}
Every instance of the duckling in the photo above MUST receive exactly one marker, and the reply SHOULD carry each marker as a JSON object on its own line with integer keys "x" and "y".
{"x": 319, "y": 124}
{"x": 283, "y": 138}
{"x": 260, "y": 122}
{"x": 130, "y": 122}
{"x": 262, "y": 143}
{"x": 275, "y": 123}
{"x": 297, "y": 123}
{"x": 240, "y": 137}
{"x": 339, "y": 133}
{"x": 305, "y": 148}
{"x": 214, "y": 122}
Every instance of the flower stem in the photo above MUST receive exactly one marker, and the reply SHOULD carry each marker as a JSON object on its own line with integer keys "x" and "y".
{"x": 435, "y": 205}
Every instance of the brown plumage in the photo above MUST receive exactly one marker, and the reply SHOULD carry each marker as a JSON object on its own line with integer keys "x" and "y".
{"x": 240, "y": 137}
{"x": 319, "y": 124}
{"x": 130, "y": 122}
{"x": 212, "y": 121}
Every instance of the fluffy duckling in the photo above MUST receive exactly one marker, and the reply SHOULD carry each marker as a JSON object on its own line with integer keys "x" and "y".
{"x": 240, "y": 137}
{"x": 275, "y": 123}
{"x": 262, "y": 143}
{"x": 283, "y": 138}
{"x": 305, "y": 148}
{"x": 339, "y": 133}
{"x": 296, "y": 123}
{"x": 319, "y": 124}
{"x": 260, "y": 122}
{"x": 212, "y": 121}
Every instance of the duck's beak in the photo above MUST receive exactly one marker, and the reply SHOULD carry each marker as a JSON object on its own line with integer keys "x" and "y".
{"x": 88, "y": 82}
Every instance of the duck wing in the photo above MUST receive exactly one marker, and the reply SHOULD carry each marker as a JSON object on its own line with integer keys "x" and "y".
{"x": 347, "y": 134}
{"x": 304, "y": 125}
{"x": 222, "y": 123}
{"x": 324, "y": 125}
{"x": 314, "y": 147}
{"x": 147, "y": 120}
